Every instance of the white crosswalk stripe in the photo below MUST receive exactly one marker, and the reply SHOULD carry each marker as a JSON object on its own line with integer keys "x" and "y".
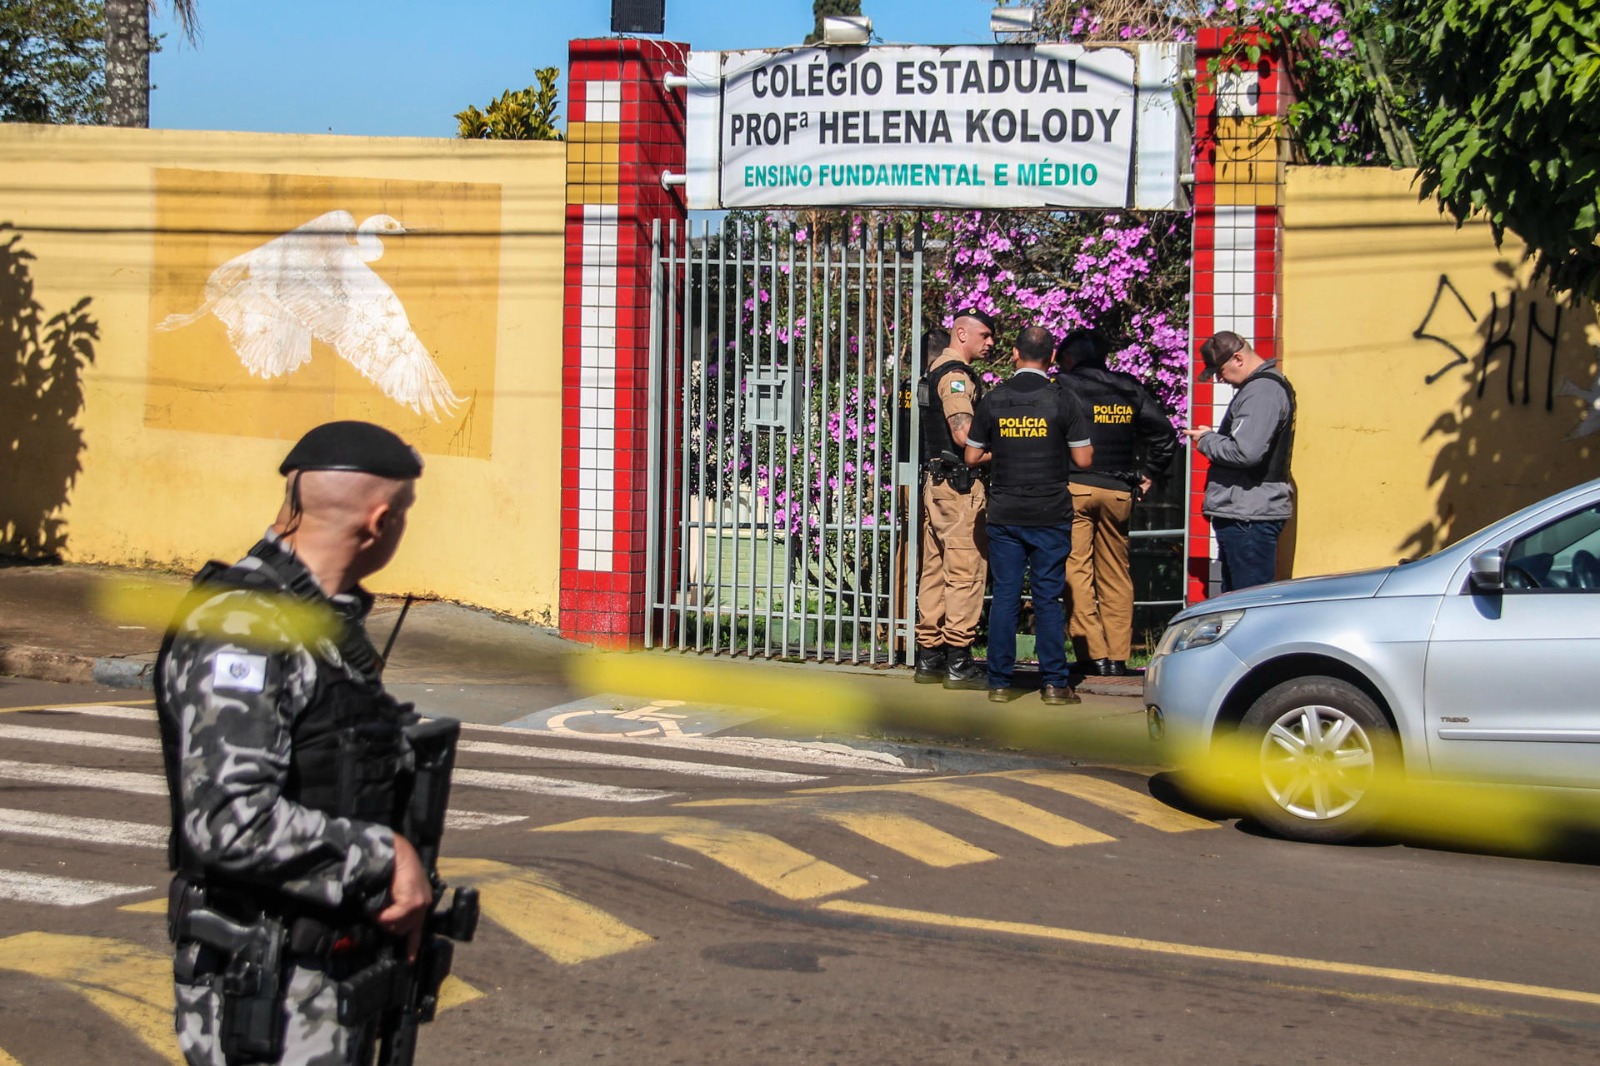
{"x": 107, "y": 710}
{"x": 837, "y": 758}
{"x": 127, "y": 781}
{"x": 568, "y": 756}
{"x": 555, "y": 786}
{"x": 60, "y": 891}
{"x": 33, "y": 734}
{"x": 91, "y": 830}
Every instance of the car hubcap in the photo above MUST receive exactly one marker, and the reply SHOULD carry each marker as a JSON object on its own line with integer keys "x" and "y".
{"x": 1316, "y": 762}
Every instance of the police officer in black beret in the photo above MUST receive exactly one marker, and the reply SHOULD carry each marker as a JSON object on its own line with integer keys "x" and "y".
{"x": 283, "y": 753}
{"x": 1032, "y": 432}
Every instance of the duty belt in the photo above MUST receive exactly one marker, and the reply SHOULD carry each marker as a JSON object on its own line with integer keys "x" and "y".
{"x": 940, "y": 469}
{"x": 303, "y": 934}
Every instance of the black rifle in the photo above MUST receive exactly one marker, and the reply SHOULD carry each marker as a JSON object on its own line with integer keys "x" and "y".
{"x": 408, "y": 993}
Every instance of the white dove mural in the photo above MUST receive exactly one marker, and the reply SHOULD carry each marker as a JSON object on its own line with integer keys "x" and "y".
{"x": 314, "y": 282}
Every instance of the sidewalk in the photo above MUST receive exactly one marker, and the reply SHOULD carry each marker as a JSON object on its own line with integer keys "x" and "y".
{"x": 102, "y": 625}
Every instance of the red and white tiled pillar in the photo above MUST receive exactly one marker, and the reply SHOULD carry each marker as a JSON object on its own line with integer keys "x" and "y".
{"x": 624, "y": 128}
{"x": 1240, "y": 149}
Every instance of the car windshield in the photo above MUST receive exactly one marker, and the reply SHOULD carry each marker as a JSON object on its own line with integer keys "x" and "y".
{"x": 1563, "y": 554}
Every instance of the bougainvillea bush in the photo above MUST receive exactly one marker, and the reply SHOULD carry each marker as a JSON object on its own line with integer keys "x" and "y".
{"x": 1124, "y": 274}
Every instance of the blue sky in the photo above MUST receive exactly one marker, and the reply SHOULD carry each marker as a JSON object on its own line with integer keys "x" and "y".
{"x": 404, "y": 68}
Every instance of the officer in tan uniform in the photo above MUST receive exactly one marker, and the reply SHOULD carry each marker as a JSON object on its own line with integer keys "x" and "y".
{"x": 1133, "y": 446}
{"x": 954, "y": 543}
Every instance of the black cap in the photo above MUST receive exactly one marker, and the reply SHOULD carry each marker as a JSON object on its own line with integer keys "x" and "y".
{"x": 358, "y": 446}
{"x": 1079, "y": 336}
{"x": 1218, "y": 349}
{"x": 982, "y": 316}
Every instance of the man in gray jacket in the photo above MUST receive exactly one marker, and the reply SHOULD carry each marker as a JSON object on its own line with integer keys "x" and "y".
{"x": 1248, "y": 494}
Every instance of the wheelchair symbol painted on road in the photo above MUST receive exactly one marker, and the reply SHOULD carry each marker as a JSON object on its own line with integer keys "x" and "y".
{"x": 654, "y": 718}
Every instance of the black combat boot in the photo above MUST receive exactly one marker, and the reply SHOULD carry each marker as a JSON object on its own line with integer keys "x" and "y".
{"x": 930, "y": 665}
{"x": 961, "y": 672}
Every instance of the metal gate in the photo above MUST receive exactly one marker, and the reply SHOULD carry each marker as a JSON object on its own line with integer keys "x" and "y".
{"x": 781, "y": 474}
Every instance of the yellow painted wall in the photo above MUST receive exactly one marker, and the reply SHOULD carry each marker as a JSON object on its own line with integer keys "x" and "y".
{"x": 180, "y": 439}
{"x": 1406, "y": 443}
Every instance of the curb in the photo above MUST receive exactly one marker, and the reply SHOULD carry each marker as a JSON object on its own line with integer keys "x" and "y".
{"x": 130, "y": 671}
{"x": 43, "y": 664}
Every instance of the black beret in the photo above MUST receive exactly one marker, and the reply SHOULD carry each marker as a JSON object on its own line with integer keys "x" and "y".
{"x": 982, "y": 316}
{"x": 358, "y": 446}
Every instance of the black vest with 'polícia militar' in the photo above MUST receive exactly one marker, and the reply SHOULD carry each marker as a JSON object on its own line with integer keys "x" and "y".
{"x": 1111, "y": 401}
{"x": 1030, "y": 451}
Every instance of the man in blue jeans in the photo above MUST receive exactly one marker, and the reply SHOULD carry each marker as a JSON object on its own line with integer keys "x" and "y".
{"x": 1248, "y": 493}
{"x": 1031, "y": 431}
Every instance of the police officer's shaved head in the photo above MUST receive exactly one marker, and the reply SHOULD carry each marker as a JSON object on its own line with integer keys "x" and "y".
{"x": 348, "y": 487}
{"x": 370, "y": 453}
{"x": 1035, "y": 346}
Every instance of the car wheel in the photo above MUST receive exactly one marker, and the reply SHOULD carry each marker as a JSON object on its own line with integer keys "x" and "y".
{"x": 1321, "y": 754}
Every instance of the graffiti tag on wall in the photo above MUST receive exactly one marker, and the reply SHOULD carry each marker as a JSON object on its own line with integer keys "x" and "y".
{"x": 1527, "y": 352}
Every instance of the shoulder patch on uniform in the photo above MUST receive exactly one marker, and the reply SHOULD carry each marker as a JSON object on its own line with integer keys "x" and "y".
{"x": 239, "y": 672}
{"x": 958, "y": 386}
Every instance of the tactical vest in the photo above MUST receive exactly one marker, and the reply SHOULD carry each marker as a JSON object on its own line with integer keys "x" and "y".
{"x": 348, "y": 748}
{"x": 1275, "y": 467}
{"x": 1111, "y": 402}
{"x": 935, "y": 426}
{"x": 1030, "y": 451}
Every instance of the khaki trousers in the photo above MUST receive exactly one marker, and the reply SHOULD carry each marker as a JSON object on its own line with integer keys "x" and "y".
{"x": 1097, "y": 573}
{"x": 955, "y": 547}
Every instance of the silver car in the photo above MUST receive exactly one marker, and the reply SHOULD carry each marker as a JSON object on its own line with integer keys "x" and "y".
{"x": 1478, "y": 663}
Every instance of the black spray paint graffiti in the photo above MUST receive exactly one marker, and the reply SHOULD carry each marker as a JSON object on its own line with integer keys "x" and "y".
{"x": 1519, "y": 360}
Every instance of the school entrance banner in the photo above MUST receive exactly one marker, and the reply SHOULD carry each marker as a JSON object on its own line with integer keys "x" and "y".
{"x": 971, "y": 126}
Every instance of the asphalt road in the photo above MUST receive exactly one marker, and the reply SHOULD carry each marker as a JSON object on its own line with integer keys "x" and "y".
{"x": 729, "y": 902}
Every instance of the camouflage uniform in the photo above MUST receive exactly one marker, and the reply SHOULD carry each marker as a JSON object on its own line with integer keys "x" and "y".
{"x": 235, "y": 679}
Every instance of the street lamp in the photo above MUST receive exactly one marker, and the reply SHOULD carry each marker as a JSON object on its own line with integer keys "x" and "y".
{"x": 846, "y": 29}
{"x": 1013, "y": 21}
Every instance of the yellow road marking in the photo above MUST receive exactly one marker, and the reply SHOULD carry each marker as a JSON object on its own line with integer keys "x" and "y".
{"x": 454, "y": 992}
{"x": 767, "y": 861}
{"x": 58, "y": 705}
{"x": 130, "y": 983}
{"x": 535, "y": 910}
{"x": 1193, "y": 951}
{"x": 1011, "y": 813}
{"x": 1023, "y": 817}
{"x": 149, "y": 906}
{"x": 910, "y": 837}
{"x": 1122, "y": 800}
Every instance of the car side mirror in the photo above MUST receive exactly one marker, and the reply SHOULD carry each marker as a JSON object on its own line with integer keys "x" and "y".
{"x": 1488, "y": 571}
